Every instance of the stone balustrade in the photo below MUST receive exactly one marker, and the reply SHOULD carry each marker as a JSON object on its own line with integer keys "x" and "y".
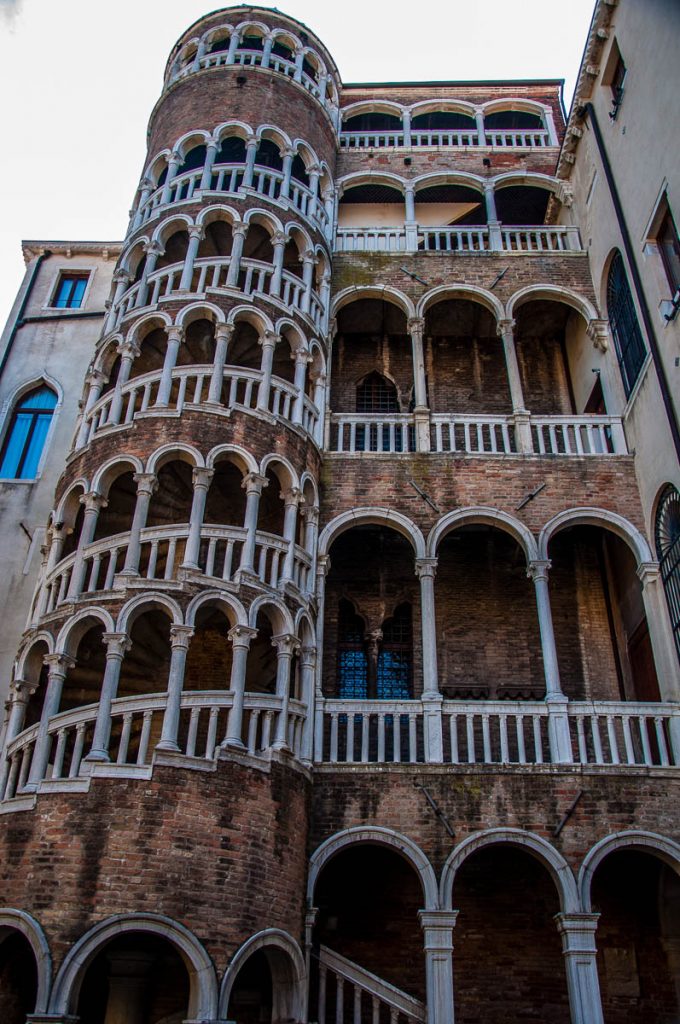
{"x": 560, "y": 238}
{"x": 533, "y": 139}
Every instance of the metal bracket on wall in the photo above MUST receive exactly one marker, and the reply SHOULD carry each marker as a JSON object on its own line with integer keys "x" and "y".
{"x": 435, "y": 807}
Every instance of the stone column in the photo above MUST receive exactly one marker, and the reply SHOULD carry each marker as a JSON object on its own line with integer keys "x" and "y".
{"x": 406, "y": 127}
{"x": 579, "y": 949}
{"x": 660, "y": 635}
{"x": 173, "y": 163}
{"x": 558, "y": 720}
{"x": 233, "y": 47}
{"x": 175, "y": 335}
{"x": 20, "y": 692}
{"x": 410, "y": 226}
{"x": 196, "y": 234}
{"x": 307, "y": 674}
{"x": 240, "y": 637}
{"x": 58, "y": 665}
{"x": 201, "y": 479}
{"x": 302, "y": 360}
{"x": 57, "y": 541}
{"x": 299, "y": 60}
{"x": 311, "y": 520}
{"x": 291, "y": 499}
{"x": 268, "y": 342}
{"x": 495, "y": 236}
{"x": 223, "y": 335}
{"x": 278, "y": 241}
{"x": 92, "y": 502}
{"x": 180, "y": 637}
{"x": 128, "y": 353}
{"x": 329, "y": 207}
{"x": 238, "y": 232}
{"x": 314, "y": 174}
{"x": 251, "y": 152}
{"x": 117, "y": 645}
{"x": 549, "y": 122}
{"x": 308, "y": 261}
{"x": 253, "y": 484}
{"x": 286, "y": 645}
{"x": 146, "y": 187}
{"x": 523, "y": 439}
{"x": 200, "y": 53}
{"x": 421, "y": 412}
{"x": 94, "y": 381}
{"x": 153, "y": 250}
{"x": 320, "y": 403}
{"x": 323, "y": 565}
{"x": 211, "y": 151}
{"x": 432, "y": 699}
{"x": 438, "y": 928}
{"x": 146, "y": 485}
{"x": 481, "y": 135}
{"x": 288, "y": 157}
{"x": 121, "y": 279}
{"x": 267, "y": 51}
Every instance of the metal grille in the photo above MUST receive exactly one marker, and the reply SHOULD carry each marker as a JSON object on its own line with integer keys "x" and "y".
{"x": 376, "y": 394}
{"x": 396, "y": 657}
{"x": 667, "y": 537}
{"x": 352, "y": 660}
{"x": 630, "y": 348}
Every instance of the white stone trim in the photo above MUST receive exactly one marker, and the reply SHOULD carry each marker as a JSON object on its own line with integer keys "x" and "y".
{"x": 20, "y": 921}
{"x": 376, "y": 516}
{"x": 665, "y": 849}
{"x": 489, "y": 516}
{"x": 295, "y": 984}
{"x": 148, "y": 601}
{"x": 596, "y": 517}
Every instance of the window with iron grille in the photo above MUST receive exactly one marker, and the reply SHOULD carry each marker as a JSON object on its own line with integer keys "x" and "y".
{"x": 395, "y": 660}
{"x": 70, "y": 291}
{"x": 376, "y": 394}
{"x": 667, "y": 538}
{"x": 630, "y": 348}
{"x": 352, "y": 660}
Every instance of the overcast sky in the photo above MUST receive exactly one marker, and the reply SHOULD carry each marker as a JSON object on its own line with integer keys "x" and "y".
{"x": 80, "y": 77}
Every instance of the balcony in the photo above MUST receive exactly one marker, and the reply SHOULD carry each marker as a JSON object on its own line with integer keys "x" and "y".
{"x": 538, "y": 138}
{"x": 557, "y": 238}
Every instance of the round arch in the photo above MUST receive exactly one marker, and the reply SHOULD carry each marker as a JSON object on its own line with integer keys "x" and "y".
{"x": 231, "y": 606}
{"x": 646, "y": 842}
{"x": 178, "y": 222}
{"x": 255, "y": 317}
{"x": 185, "y": 452}
{"x": 375, "y": 835}
{"x": 529, "y": 178}
{"x": 490, "y": 517}
{"x": 147, "y": 323}
{"x": 553, "y": 293}
{"x": 272, "y": 461}
{"x": 218, "y": 212}
{"x": 241, "y": 457}
{"x": 186, "y": 142}
{"x": 67, "y": 496}
{"x": 20, "y": 921}
{"x": 294, "y": 980}
{"x": 357, "y": 178}
{"x": 112, "y": 469}
{"x": 461, "y": 291}
{"x": 239, "y": 129}
{"x": 280, "y": 616}
{"x": 147, "y": 602}
{"x": 372, "y": 107}
{"x": 203, "y": 981}
{"x": 539, "y": 848}
{"x": 384, "y": 293}
{"x": 200, "y": 311}
{"x": 73, "y": 630}
{"x": 447, "y": 106}
{"x": 27, "y": 647}
{"x": 432, "y": 178}
{"x": 596, "y": 517}
{"x": 372, "y": 516}
{"x": 514, "y": 103}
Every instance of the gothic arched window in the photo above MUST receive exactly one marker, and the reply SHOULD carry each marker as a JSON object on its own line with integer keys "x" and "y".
{"x": 352, "y": 660}
{"x": 667, "y": 538}
{"x": 376, "y": 394}
{"x": 630, "y": 348}
{"x": 395, "y": 660}
{"x": 25, "y": 438}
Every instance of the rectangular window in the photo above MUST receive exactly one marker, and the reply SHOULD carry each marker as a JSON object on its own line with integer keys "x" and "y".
{"x": 669, "y": 249}
{"x": 70, "y": 291}
{"x": 614, "y": 77}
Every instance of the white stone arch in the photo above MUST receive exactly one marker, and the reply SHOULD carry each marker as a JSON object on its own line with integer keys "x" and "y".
{"x": 135, "y": 252}
{"x": 232, "y": 607}
{"x": 188, "y": 141}
{"x": 372, "y": 516}
{"x": 106, "y": 353}
{"x": 529, "y": 178}
{"x": 289, "y": 38}
{"x": 430, "y": 178}
{"x": 106, "y": 474}
{"x": 382, "y": 292}
{"x": 181, "y": 57}
{"x": 167, "y": 228}
{"x": 272, "y": 133}
{"x": 554, "y": 293}
{"x": 233, "y": 128}
{"x": 225, "y": 30}
{"x": 375, "y": 835}
{"x": 147, "y": 323}
{"x": 272, "y": 461}
{"x": 303, "y": 620}
{"x": 286, "y": 324}
{"x": 156, "y": 166}
{"x": 60, "y": 510}
{"x": 75, "y": 628}
{"x": 372, "y": 107}
{"x": 148, "y": 601}
{"x": 470, "y": 292}
{"x": 256, "y": 317}
{"x": 43, "y": 636}
{"x": 200, "y": 311}
{"x": 243, "y": 26}
{"x": 309, "y": 52}
{"x": 202, "y": 978}
{"x": 20, "y": 921}
{"x": 306, "y": 153}
{"x": 308, "y": 479}
{"x": 269, "y": 221}
{"x": 514, "y": 103}
{"x": 531, "y": 843}
{"x": 665, "y": 849}
{"x": 218, "y": 212}
{"x": 444, "y": 105}
{"x": 280, "y": 616}
{"x": 305, "y": 243}
{"x": 490, "y": 517}
{"x": 178, "y": 449}
{"x": 289, "y": 980}
{"x": 357, "y": 178}
{"x": 601, "y": 517}
{"x": 242, "y": 458}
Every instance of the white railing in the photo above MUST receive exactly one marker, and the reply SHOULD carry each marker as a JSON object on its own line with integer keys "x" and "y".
{"x": 444, "y": 138}
{"x": 472, "y": 434}
{"x": 554, "y": 238}
{"x": 136, "y": 729}
{"x": 368, "y": 996}
{"x": 374, "y": 140}
{"x": 211, "y": 274}
{"x": 510, "y": 137}
{"x": 190, "y": 388}
{"x": 161, "y": 558}
{"x": 392, "y": 432}
{"x": 370, "y": 240}
{"x": 500, "y": 732}
{"x": 578, "y": 435}
{"x": 470, "y": 239}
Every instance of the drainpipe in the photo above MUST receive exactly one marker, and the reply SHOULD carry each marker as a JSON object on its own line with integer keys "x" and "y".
{"x": 24, "y": 303}
{"x": 637, "y": 281}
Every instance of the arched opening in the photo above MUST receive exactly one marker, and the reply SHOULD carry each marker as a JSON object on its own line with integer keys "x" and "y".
{"x": 372, "y": 121}
{"x": 175, "y": 249}
{"x": 198, "y": 346}
{"x": 35, "y": 672}
{"x": 244, "y": 350}
{"x": 372, "y": 610}
{"x": 291, "y": 258}
{"x": 513, "y": 120}
{"x": 441, "y": 122}
{"x": 550, "y": 340}
{"x": 464, "y": 362}
{"x": 488, "y": 640}
{"x": 146, "y": 663}
{"x": 83, "y": 681}
{"x": 117, "y": 515}
{"x": 257, "y": 246}
{"x": 138, "y": 978}
{"x": 225, "y": 506}
{"x": 72, "y": 520}
{"x": 251, "y": 40}
{"x": 151, "y": 352}
{"x": 219, "y": 42}
{"x": 283, "y": 49}
{"x": 232, "y": 151}
{"x": 216, "y": 242}
{"x": 667, "y": 543}
{"x": 283, "y": 365}
{"x": 269, "y": 155}
{"x": 299, "y": 170}
{"x": 272, "y": 510}
{"x": 638, "y": 937}
{"x": 261, "y": 670}
{"x": 449, "y": 204}
{"x": 371, "y": 206}
{"x": 266, "y": 988}
{"x": 505, "y": 931}
{"x": 26, "y": 434}
{"x": 194, "y": 159}
{"x": 18, "y": 977}
{"x": 368, "y": 897}
{"x": 522, "y": 204}
{"x": 601, "y": 633}
{"x": 171, "y": 501}
{"x": 208, "y": 664}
